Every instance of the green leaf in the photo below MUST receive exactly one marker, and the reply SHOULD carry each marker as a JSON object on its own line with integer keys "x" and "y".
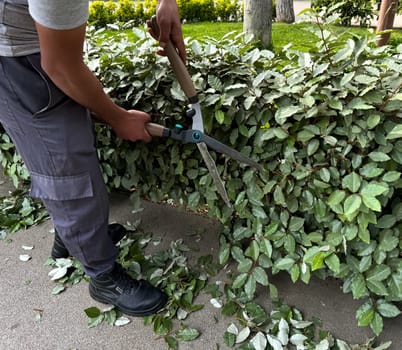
{"x": 391, "y": 176}
{"x": 373, "y": 120}
{"x": 253, "y": 251}
{"x": 245, "y": 265}
{"x": 162, "y": 325}
{"x": 388, "y": 241}
{"x": 259, "y": 212}
{"x": 295, "y": 273}
{"x": 387, "y": 309}
{"x": 172, "y": 342}
{"x": 224, "y": 251}
{"x": 295, "y": 224}
{"x": 305, "y": 135}
{"x": 111, "y": 316}
{"x": 372, "y": 203}
{"x": 395, "y": 284}
{"x": 219, "y": 116}
{"x": 237, "y": 253}
{"x": 377, "y": 324}
{"x": 215, "y": 82}
{"x": 229, "y": 339}
{"x": 395, "y": 133}
{"x": 284, "y": 112}
{"x": 284, "y": 263}
{"x": 318, "y": 261}
{"x": 352, "y": 204}
{"x": 58, "y": 289}
{"x": 266, "y": 247}
{"x": 351, "y": 182}
{"x": 313, "y": 147}
{"x": 365, "y": 314}
{"x": 260, "y": 276}
{"x": 386, "y": 221}
{"x": 335, "y": 104}
{"x": 336, "y": 197}
{"x": 358, "y": 286}
{"x": 193, "y": 199}
{"x": 364, "y": 235}
{"x": 378, "y": 273}
{"x": 373, "y": 189}
{"x": 332, "y": 261}
{"x": 239, "y": 281}
{"x": 379, "y": 156}
{"x": 93, "y": 322}
{"x": 359, "y": 103}
{"x": 92, "y": 312}
{"x": 187, "y": 334}
{"x": 377, "y": 287}
{"x": 250, "y": 286}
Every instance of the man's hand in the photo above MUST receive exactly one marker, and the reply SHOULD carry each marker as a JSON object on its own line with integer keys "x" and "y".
{"x": 167, "y": 16}
{"x": 131, "y": 125}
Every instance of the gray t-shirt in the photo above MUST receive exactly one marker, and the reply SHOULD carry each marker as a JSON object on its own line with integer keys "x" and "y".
{"x": 18, "y": 36}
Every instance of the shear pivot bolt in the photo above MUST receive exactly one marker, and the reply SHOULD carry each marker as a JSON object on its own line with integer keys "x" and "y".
{"x": 196, "y": 136}
{"x": 190, "y": 113}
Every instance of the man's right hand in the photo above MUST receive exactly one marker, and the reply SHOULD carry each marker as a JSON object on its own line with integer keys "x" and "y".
{"x": 131, "y": 125}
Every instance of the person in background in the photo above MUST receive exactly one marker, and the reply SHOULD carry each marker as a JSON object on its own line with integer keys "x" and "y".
{"x": 47, "y": 97}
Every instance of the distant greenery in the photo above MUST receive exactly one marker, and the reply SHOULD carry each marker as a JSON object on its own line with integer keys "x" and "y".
{"x": 298, "y": 34}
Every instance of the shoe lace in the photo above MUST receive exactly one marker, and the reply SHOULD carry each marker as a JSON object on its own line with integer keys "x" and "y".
{"x": 123, "y": 279}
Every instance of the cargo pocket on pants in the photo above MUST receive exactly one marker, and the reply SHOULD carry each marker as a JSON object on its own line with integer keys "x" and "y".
{"x": 61, "y": 188}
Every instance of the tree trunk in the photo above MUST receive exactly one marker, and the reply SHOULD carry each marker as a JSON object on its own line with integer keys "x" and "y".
{"x": 258, "y": 20}
{"x": 285, "y": 11}
{"x": 386, "y": 20}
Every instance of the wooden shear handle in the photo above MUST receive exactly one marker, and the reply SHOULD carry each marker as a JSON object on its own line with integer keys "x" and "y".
{"x": 155, "y": 129}
{"x": 178, "y": 66}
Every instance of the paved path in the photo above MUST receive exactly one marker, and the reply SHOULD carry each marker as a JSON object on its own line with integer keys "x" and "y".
{"x": 26, "y": 288}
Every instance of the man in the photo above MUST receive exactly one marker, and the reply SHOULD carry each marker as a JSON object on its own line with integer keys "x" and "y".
{"x": 47, "y": 95}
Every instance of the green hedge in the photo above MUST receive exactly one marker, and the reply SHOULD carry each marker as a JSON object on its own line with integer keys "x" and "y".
{"x": 325, "y": 125}
{"x": 102, "y": 13}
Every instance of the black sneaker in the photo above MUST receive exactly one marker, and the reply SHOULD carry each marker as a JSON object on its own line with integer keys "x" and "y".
{"x": 132, "y": 297}
{"x": 116, "y": 233}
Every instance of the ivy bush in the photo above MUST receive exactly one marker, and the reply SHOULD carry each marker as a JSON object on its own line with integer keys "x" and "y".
{"x": 325, "y": 125}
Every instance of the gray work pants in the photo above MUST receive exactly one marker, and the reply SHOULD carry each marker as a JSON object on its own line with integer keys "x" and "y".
{"x": 55, "y": 138}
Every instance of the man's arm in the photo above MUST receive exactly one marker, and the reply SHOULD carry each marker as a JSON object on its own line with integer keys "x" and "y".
{"x": 62, "y": 60}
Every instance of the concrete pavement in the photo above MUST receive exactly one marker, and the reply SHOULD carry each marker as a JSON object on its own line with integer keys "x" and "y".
{"x": 25, "y": 288}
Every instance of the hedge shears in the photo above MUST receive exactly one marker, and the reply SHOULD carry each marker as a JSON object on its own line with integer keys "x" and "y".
{"x": 195, "y": 134}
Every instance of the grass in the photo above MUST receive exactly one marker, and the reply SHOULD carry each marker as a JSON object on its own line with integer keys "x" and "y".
{"x": 282, "y": 34}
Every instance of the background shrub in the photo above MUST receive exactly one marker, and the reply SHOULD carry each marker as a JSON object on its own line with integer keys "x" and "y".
{"x": 228, "y": 10}
{"x": 361, "y": 10}
{"x": 102, "y": 13}
{"x": 107, "y": 12}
